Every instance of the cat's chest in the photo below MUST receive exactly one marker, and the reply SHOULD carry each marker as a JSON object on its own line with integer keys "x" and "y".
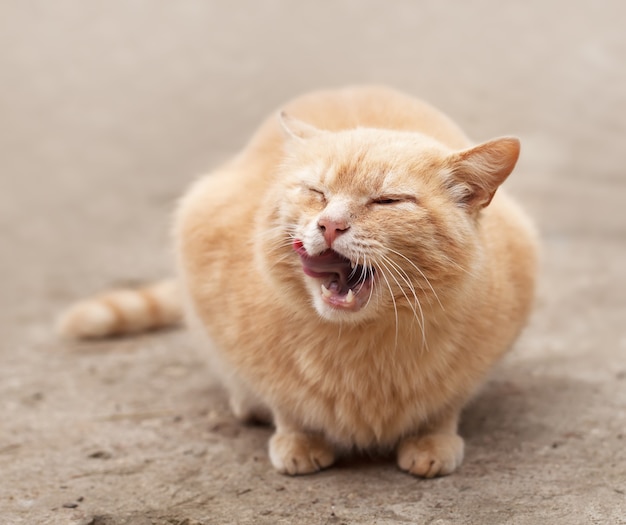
{"x": 363, "y": 390}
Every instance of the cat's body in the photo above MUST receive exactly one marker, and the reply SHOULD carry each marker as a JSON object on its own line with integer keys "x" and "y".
{"x": 383, "y": 355}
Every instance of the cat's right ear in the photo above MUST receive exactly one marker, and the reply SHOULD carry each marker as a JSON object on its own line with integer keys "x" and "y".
{"x": 297, "y": 129}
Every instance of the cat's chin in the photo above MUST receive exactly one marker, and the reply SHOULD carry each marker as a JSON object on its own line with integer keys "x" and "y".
{"x": 336, "y": 315}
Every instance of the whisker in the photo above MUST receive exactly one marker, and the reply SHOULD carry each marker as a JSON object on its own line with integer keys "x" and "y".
{"x": 354, "y": 270}
{"x": 421, "y": 273}
{"x": 391, "y": 271}
{"x": 395, "y": 307}
{"x": 283, "y": 244}
{"x": 402, "y": 274}
{"x": 365, "y": 273}
{"x": 373, "y": 281}
{"x": 456, "y": 264}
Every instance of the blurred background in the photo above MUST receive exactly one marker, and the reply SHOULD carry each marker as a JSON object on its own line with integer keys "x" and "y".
{"x": 108, "y": 109}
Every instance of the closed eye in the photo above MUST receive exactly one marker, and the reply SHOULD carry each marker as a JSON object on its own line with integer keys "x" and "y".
{"x": 319, "y": 194}
{"x": 386, "y": 200}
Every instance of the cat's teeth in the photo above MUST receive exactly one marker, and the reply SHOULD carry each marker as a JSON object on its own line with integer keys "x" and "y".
{"x": 352, "y": 265}
{"x": 349, "y": 297}
{"x": 326, "y": 292}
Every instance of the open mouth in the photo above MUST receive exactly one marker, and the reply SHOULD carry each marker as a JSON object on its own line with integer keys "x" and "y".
{"x": 343, "y": 284}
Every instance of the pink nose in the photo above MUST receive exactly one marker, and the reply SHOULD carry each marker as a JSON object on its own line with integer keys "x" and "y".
{"x": 331, "y": 229}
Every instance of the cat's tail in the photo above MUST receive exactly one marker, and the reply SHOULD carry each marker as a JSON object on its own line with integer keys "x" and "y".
{"x": 123, "y": 311}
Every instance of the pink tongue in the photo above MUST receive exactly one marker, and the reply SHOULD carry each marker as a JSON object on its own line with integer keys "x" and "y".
{"x": 326, "y": 264}
{"x": 323, "y": 264}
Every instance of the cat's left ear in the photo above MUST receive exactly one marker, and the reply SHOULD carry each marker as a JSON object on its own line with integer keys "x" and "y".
{"x": 297, "y": 129}
{"x": 477, "y": 173}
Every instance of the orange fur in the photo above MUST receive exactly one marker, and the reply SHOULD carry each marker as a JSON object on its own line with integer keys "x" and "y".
{"x": 395, "y": 186}
{"x": 122, "y": 311}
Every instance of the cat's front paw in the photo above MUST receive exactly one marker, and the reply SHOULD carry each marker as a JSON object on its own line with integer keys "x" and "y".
{"x": 431, "y": 455}
{"x": 299, "y": 453}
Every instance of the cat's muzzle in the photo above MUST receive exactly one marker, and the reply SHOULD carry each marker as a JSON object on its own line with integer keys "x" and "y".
{"x": 343, "y": 283}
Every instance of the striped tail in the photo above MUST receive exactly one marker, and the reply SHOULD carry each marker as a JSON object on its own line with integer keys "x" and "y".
{"x": 123, "y": 311}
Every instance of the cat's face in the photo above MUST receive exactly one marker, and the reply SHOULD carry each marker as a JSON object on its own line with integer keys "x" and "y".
{"x": 371, "y": 222}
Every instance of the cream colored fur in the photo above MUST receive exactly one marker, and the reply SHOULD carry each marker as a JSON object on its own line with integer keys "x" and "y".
{"x": 395, "y": 186}
{"x": 123, "y": 311}
{"x": 397, "y": 372}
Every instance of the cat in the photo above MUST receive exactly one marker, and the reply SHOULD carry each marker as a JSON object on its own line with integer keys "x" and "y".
{"x": 355, "y": 276}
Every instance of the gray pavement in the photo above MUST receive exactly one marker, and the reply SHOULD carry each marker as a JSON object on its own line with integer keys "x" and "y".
{"x": 109, "y": 109}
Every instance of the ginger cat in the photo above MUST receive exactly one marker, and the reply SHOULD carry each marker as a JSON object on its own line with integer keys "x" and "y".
{"x": 355, "y": 275}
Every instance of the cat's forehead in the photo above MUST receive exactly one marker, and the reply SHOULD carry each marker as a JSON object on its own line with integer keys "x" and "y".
{"x": 373, "y": 167}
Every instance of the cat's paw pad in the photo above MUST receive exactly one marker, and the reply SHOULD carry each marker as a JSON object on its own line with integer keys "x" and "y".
{"x": 298, "y": 453}
{"x": 431, "y": 455}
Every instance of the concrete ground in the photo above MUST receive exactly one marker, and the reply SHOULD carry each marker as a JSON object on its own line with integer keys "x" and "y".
{"x": 109, "y": 109}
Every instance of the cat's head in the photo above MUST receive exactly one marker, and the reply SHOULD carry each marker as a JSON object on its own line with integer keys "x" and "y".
{"x": 369, "y": 221}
